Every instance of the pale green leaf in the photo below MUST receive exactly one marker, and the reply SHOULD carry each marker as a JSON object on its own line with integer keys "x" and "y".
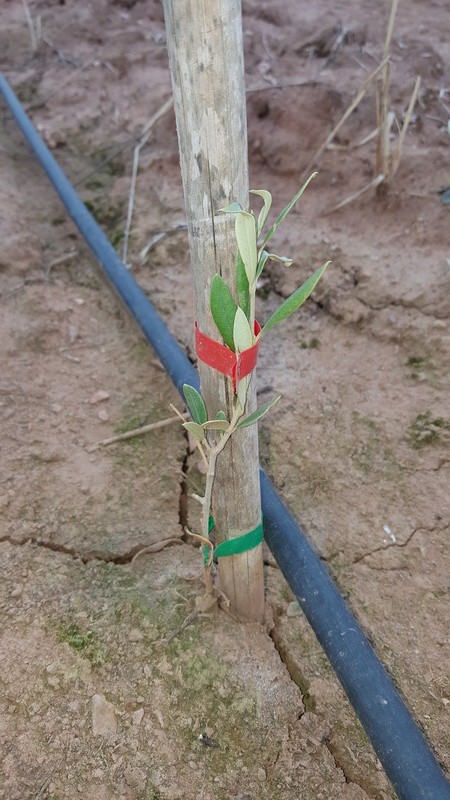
{"x": 194, "y": 429}
{"x": 195, "y": 404}
{"x": 233, "y": 208}
{"x": 221, "y": 415}
{"x": 295, "y": 300}
{"x": 287, "y": 209}
{"x": 242, "y": 287}
{"x": 267, "y": 198}
{"x": 262, "y": 262}
{"x": 242, "y": 391}
{"x": 216, "y": 425}
{"x": 286, "y": 261}
{"x": 246, "y": 240}
{"x": 260, "y": 412}
{"x": 242, "y": 334}
{"x": 223, "y": 309}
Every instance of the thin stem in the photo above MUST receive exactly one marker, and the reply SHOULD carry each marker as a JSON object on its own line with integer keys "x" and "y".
{"x": 214, "y": 453}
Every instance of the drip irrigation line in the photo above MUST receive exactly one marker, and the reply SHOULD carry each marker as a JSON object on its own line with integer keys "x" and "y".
{"x": 403, "y": 751}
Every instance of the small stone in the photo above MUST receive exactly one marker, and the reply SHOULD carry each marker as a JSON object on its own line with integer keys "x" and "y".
{"x": 98, "y": 774}
{"x": 138, "y": 716}
{"x": 103, "y": 716}
{"x": 103, "y": 415}
{"x": 73, "y": 333}
{"x": 135, "y": 778}
{"x": 17, "y": 591}
{"x": 261, "y": 774}
{"x": 79, "y": 301}
{"x": 99, "y": 397}
{"x": 56, "y": 408}
{"x": 293, "y": 609}
{"x": 135, "y": 635}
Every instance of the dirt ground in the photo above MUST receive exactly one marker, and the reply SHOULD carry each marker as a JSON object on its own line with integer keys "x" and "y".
{"x": 96, "y": 700}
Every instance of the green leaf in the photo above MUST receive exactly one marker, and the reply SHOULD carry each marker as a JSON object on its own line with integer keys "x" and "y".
{"x": 286, "y": 261}
{"x": 260, "y": 412}
{"x": 195, "y": 429}
{"x": 242, "y": 288}
{"x": 221, "y": 415}
{"x": 246, "y": 239}
{"x": 242, "y": 392}
{"x": 295, "y": 300}
{"x": 262, "y": 262}
{"x": 287, "y": 209}
{"x": 267, "y": 197}
{"x": 216, "y": 425}
{"x": 242, "y": 334}
{"x": 223, "y": 309}
{"x": 195, "y": 404}
{"x": 233, "y": 208}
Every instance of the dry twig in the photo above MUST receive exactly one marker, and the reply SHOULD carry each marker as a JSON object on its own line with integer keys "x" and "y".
{"x": 137, "y": 151}
{"x": 153, "y": 426}
{"x": 355, "y": 102}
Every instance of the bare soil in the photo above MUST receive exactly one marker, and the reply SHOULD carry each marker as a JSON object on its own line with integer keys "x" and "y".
{"x": 96, "y": 701}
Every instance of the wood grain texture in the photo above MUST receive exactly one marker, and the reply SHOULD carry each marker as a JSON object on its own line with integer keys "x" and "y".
{"x": 204, "y": 40}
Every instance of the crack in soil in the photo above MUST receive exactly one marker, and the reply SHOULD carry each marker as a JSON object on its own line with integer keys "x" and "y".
{"x": 387, "y": 546}
{"x": 349, "y": 777}
{"x": 184, "y": 494}
{"x": 126, "y": 558}
{"x": 294, "y": 671}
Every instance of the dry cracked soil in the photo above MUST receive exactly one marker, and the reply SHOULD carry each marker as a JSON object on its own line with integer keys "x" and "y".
{"x": 97, "y": 700}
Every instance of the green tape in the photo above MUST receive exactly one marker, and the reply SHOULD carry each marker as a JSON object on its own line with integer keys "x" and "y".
{"x": 237, "y": 545}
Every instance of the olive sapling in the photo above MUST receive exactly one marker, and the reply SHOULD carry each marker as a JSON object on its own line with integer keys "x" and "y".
{"x": 233, "y": 311}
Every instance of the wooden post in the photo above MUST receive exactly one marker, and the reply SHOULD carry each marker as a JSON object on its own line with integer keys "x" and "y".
{"x": 204, "y": 39}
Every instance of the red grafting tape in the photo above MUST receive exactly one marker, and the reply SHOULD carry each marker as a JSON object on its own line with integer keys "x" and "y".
{"x": 220, "y": 357}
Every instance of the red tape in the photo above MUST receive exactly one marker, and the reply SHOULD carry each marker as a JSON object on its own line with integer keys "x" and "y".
{"x": 220, "y": 357}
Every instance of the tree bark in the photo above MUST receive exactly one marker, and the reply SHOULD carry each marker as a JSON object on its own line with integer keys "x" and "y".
{"x": 204, "y": 39}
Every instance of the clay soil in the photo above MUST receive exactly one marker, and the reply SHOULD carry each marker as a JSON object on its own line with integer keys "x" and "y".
{"x": 96, "y": 700}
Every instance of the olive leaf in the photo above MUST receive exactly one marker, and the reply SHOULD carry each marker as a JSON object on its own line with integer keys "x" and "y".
{"x": 194, "y": 429}
{"x": 246, "y": 239}
{"x": 242, "y": 287}
{"x": 256, "y": 415}
{"x": 216, "y": 425}
{"x": 233, "y": 208}
{"x": 286, "y": 261}
{"x": 221, "y": 415}
{"x": 286, "y": 210}
{"x": 295, "y": 300}
{"x": 262, "y": 262}
{"x": 242, "y": 334}
{"x": 223, "y": 309}
{"x": 242, "y": 392}
{"x": 267, "y": 197}
{"x": 195, "y": 404}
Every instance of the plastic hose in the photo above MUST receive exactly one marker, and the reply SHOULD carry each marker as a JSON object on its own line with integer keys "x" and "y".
{"x": 403, "y": 751}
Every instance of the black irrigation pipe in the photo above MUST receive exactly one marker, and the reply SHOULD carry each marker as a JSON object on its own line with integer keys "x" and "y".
{"x": 396, "y": 738}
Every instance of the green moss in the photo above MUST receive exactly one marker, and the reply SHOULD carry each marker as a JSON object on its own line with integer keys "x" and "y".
{"x": 84, "y": 643}
{"x": 313, "y": 344}
{"x": 414, "y": 361}
{"x": 426, "y": 429}
{"x": 116, "y": 237}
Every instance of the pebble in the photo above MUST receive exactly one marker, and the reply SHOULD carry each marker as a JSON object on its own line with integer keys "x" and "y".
{"x": 135, "y": 635}
{"x": 99, "y": 397}
{"x": 103, "y": 415}
{"x": 56, "y": 408}
{"x": 17, "y": 591}
{"x": 104, "y": 721}
{"x": 138, "y": 716}
{"x": 293, "y": 609}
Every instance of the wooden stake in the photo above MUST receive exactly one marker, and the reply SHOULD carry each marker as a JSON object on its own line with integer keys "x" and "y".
{"x": 206, "y": 58}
